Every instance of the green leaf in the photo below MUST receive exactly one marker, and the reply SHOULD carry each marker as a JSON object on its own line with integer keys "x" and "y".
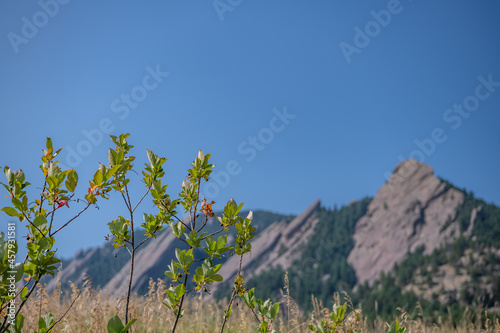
{"x": 130, "y": 323}
{"x": 275, "y": 309}
{"x": 18, "y": 204}
{"x": 171, "y": 297}
{"x": 110, "y": 172}
{"x": 217, "y": 277}
{"x": 249, "y": 298}
{"x": 42, "y": 325}
{"x": 52, "y": 181}
{"x": 49, "y": 319}
{"x": 221, "y": 242}
{"x": 179, "y": 254}
{"x": 228, "y": 312}
{"x": 19, "y": 269}
{"x": 18, "y": 325}
{"x": 179, "y": 291}
{"x": 48, "y": 144}
{"x": 24, "y": 293}
{"x": 11, "y": 211}
{"x": 111, "y": 157}
{"x": 72, "y": 180}
{"x": 263, "y": 327}
{"x": 153, "y": 159}
{"x": 115, "y": 325}
{"x": 98, "y": 177}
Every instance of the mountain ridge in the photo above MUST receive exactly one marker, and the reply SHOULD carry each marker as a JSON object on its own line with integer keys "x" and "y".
{"x": 415, "y": 225}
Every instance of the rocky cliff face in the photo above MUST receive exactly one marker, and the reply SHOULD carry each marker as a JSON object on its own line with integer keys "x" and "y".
{"x": 412, "y": 209}
{"x": 278, "y": 245}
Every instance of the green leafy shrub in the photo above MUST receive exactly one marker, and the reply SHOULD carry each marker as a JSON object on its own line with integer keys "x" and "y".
{"x": 58, "y": 192}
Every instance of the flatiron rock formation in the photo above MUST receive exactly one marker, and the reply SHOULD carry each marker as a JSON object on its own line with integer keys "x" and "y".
{"x": 412, "y": 209}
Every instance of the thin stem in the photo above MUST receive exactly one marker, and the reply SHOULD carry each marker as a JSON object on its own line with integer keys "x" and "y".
{"x": 196, "y": 204}
{"x": 147, "y": 238}
{"x": 204, "y": 223}
{"x": 126, "y": 203}
{"x": 41, "y": 195}
{"x": 183, "y": 241}
{"x": 226, "y": 316}
{"x": 52, "y": 216}
{"x": 129, "y": 285}
{"x": 69, "y": 199}
{"x": 256, "y": 317}
{"x": 180, "y": 305}
{"x": 178, "y": 219}
{"x": 132, "y": 259}
{"x": 65, "y": 313}
{"x": 171, "y": 213}
{"x": 201, "y": 259}
{"x": 75, "y": 217}
{"x": 41, "y": 295}
{"x": 128, "y": 199}
{"x": 30, "y": 222}
{"x": 144, "y": 241}
{"x": 214, "y": 233}
{"x": 133, "y": 210}
{"x": 128, "y": 250}
{"x": 235, "y": 292}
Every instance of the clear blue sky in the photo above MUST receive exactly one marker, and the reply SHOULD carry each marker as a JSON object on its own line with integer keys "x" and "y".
{"x": 351, "y": 104}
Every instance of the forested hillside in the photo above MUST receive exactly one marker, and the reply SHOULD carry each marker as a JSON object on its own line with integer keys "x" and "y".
{"x": 465, "y": 273}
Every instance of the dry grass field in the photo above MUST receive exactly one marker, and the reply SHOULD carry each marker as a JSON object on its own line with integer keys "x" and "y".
{"x": 92, "y": 309}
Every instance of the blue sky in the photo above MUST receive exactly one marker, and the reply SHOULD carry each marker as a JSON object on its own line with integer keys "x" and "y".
{"x": 295, "y": 100}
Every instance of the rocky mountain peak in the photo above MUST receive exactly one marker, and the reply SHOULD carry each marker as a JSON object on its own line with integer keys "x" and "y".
{"x": 413, "y": 208}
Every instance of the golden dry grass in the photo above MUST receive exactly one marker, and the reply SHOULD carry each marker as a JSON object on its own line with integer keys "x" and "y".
{"x": 92, "y": 310}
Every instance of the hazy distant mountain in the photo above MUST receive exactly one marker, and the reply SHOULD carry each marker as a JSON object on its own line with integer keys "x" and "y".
{"x": 109, "y": 269}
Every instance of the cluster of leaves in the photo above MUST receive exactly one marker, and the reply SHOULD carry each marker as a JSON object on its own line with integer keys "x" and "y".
{"x": 336, "y": 321}
{"x": 395, "y": 327}
{"x": 264, "y": 311}
{"x": 185, "y": 271}
{"x": 58, "y": 190}
{"x": 46, "y": 323}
